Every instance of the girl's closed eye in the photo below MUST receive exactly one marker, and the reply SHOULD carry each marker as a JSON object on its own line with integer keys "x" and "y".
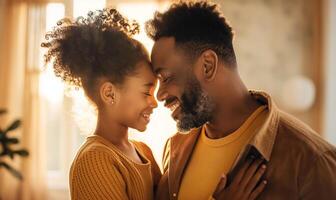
{"x": 148, "y": 94}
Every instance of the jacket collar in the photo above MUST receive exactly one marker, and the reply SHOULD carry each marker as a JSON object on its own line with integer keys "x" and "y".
{"x": 265, "y": 138}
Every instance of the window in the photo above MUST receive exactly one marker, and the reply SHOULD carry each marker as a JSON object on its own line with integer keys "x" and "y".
{"x": 52, "y": 98}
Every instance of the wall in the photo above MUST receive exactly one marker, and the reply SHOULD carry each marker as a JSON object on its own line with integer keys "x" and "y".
{"x": 278, "y": 41}
{"x": 330, "y": 71}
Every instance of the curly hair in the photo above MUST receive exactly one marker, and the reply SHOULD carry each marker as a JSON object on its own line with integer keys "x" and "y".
{"x": 196, "y": 27}
{"x": 98, "y": 45}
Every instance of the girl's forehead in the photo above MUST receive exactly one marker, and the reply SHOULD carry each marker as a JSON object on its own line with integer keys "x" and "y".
{"x": 143, "y": 77}
{"x": 144, "y": 71}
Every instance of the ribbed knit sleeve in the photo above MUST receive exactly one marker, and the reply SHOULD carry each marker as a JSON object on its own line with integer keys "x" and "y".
{"x": 94, "y": 176}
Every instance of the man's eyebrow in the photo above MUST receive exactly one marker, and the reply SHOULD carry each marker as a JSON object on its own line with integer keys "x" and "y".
{"x": 158, "y": 70}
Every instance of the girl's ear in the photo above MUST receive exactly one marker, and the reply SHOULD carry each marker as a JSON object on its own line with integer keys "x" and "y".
{"x": 107, "y": 93}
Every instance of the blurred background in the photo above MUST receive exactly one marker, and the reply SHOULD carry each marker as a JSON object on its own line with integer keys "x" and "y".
{"x": 284, "y": 47}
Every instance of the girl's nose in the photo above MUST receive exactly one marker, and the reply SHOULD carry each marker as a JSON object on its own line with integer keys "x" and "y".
{"x": 153, "y": 103}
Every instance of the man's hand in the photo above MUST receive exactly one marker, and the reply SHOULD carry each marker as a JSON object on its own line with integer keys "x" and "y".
{"x": 244, "y": 186}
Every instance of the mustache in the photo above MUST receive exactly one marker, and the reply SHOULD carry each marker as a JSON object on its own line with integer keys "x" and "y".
{"x": 169, "y": 100}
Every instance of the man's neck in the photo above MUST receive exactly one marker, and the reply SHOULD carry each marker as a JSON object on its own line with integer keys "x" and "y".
{"x": 231, "y": 113}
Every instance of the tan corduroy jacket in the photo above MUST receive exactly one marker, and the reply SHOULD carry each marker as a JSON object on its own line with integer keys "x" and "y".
{"x": 300, "y": 164}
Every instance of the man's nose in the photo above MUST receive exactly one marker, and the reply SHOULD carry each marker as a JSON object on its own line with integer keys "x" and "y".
{"x": 161, "y": 94}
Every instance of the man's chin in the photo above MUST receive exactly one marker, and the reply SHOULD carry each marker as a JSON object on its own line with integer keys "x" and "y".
{"x": 186, "y": 123}
{"x": 184, "y": 128}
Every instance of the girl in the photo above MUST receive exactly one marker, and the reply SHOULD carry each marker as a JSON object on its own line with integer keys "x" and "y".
{"x": 98, "y": 54}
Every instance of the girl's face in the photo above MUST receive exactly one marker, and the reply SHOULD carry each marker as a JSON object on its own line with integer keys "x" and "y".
{"x": 135, "y": 99}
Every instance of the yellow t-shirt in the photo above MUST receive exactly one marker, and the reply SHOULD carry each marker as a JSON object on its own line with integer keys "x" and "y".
{"x": 213, "y": 157}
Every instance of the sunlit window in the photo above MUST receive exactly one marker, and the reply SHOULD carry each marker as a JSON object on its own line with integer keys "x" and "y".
{"x": 52, "y": 101}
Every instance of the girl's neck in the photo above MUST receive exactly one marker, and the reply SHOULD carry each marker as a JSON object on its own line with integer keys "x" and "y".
{"x": 112, "y": 131}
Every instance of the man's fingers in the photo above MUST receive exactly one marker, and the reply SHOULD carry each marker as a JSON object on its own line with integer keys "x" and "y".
{"x": 242, "y": 171}
{"x": 257, "y": 190}
{"x": 220, "y": 186}
{"x": 250, "y": 172}
{"x": 255, "y": 179}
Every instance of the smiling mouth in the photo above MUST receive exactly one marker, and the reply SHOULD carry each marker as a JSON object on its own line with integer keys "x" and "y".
{"x": 174, "y": 107}
{"x": 146, "y": 116}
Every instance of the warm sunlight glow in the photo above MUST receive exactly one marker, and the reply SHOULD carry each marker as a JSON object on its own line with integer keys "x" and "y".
{"x": 83, "y": 112}
{"x": 141, "y": 12}
{"x": 82, "y": 7}
{"x": 51, "y": 88}
{"x": 161, "y": 126}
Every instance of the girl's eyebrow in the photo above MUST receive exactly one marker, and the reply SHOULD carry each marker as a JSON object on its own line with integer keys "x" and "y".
{"x": 150, "y": 84}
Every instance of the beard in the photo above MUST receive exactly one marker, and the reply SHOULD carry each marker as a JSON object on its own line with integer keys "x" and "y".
{"x": 197, "y": 107}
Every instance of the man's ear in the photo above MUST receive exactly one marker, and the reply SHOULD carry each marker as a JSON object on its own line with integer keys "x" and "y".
{"x": 107, "y": 93}
{"x": 209, "y": 64}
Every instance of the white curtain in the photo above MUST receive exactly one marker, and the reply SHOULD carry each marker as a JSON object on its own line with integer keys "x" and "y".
{"x": 19, "y": 75}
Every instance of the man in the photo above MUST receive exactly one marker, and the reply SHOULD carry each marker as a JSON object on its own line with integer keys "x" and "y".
{"x": 220, "y": 121}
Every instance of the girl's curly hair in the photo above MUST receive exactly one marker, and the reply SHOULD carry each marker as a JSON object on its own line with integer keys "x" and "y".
{"x": 98, "y": 45}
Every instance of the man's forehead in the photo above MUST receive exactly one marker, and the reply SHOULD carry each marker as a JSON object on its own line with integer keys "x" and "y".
{"x": 165, "y": 44}
{"x": 163, "y": 48}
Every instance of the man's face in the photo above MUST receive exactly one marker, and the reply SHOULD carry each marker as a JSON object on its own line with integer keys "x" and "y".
{"x": 190, "y": 105}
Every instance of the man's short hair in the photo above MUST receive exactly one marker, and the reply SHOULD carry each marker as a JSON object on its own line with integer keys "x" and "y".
{"x": 196, "y": 27}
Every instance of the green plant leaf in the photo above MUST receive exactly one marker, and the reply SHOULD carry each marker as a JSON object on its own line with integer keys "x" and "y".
{"x": 21, "y": 152}
{"x": 11, "y": 155}
{"x": 3, "y": 111}
{"x": 12, "y": 140}
{"x": 14, "y": 125}
{"x": 13, "y": 171}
